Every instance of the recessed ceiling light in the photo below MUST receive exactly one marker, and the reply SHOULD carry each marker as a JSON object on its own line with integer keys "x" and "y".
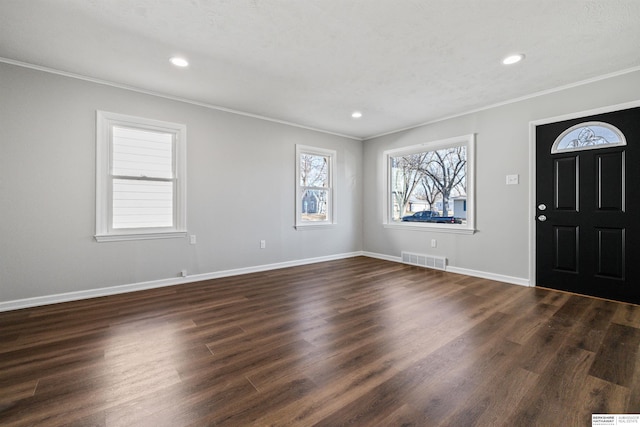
{"x": 513, "y": 59}
{"x": 179, "y": 62}
{"x": 356, "y": 114}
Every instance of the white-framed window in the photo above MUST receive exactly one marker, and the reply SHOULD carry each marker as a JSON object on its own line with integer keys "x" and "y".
{"x": 140, "y": 178}
{"x": 430, "y": 186}
{"x": 315, "y": 187}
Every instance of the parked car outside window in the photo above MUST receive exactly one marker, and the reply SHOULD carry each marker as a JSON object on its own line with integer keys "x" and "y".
{"x": 431, "y": 216}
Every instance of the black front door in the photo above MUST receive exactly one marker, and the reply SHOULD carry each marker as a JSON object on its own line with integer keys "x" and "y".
{"x": 588, "y": 205}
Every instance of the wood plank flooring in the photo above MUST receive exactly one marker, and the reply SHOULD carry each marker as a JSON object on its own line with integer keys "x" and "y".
{"x": 358, "y": 341}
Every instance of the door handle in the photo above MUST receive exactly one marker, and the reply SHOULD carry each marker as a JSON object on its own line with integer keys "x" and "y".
{"x": 542, "y": 218}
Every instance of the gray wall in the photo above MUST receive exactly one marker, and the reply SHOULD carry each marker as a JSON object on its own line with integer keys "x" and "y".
{"x": 241, "y": 187}
{"x": 501, "y": 245}
{"x": 240, "y": 190}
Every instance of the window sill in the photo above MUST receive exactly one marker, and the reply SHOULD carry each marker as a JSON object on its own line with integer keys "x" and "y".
{"x": 314, "y": 226}
{"x": 139, "y": 236}
{"x": 436, "y": 228}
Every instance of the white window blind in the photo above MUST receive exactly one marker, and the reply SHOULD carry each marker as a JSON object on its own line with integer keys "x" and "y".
{"x": 143, "y": 178}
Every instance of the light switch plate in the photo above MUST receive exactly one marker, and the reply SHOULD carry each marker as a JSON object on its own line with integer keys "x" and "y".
{"x": 513, "y": 179}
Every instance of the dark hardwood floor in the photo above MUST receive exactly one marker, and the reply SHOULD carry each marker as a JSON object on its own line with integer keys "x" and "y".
{"x": 357, "y": 341}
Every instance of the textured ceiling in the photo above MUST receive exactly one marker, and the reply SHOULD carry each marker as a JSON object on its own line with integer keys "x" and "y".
{"x": 312, "y": 62}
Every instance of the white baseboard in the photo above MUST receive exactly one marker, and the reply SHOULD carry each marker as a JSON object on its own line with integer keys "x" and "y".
{"x": 382, "y": 256}
{"x": 267, "y": 267}
{"x": 121, "y": 289}
{"x": 491, "y": 276}
{"x": 466, "y": 271}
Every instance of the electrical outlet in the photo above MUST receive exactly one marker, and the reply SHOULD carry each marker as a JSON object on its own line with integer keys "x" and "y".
{"x": 263, "y": 244}
{"x": 434, "y": 243}
{"x": 192, "y": 239}
{"x": 183, "y": 273}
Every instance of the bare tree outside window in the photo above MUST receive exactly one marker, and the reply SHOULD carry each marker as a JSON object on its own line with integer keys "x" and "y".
{"x": 446, "y": 168}
{"x": 313, "y": 170}
{"x": 430, "y": 191}
{"x": 407, "y": 174}
{"x": 429, "y": 181}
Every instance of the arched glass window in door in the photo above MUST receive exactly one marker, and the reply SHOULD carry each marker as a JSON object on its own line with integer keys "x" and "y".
{"x": 588, "y": 136}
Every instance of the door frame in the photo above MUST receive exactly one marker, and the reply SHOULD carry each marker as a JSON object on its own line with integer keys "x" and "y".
{"x": 533, "y": 176}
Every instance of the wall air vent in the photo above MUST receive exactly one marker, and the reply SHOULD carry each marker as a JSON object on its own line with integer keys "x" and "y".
{"x": 421, "y": 260}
